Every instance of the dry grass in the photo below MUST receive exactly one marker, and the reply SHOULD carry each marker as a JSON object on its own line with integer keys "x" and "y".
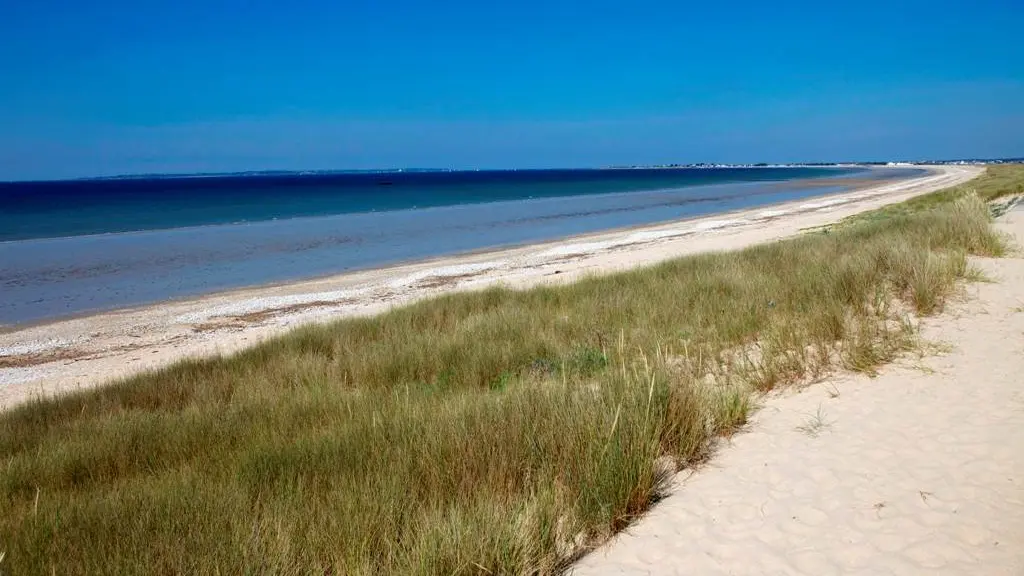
{"x": 494, "y": 432}
{"x": 815, "y": 424}
{"x": 998, "y": 182}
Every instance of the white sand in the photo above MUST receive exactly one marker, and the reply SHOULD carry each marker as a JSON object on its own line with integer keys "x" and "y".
{"x": 97, "y": 348}
{"x": 917, "y": 471}
{"x": 36, "y": 346}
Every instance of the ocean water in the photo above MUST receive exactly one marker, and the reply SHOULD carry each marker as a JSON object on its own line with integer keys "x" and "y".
{"x": 81, "y": 246}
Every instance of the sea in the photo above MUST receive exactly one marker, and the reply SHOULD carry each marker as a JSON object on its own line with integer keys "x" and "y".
{"x": 79, "y": 246}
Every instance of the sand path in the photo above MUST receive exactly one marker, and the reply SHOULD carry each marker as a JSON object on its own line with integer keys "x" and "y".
{"x": 917, "y": 471}
{"x": 82, "y": 352}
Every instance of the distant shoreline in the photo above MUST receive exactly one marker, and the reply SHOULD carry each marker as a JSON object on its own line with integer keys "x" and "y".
{"x": 313, "y": 173}
{"x": 697, "y": 165}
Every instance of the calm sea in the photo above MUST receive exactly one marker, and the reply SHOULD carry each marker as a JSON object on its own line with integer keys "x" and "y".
{"x": 77, "y": 246}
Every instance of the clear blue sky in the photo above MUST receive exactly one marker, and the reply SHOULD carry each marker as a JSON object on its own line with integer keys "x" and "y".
{"x": 119, "y": 86}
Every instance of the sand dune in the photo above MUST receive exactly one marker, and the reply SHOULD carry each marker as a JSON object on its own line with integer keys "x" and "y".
{"x": 82, "y": 352}
{"x": 917, "y": 471}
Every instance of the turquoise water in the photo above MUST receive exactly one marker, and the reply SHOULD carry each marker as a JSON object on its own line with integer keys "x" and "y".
{"x": 86, "y": 246}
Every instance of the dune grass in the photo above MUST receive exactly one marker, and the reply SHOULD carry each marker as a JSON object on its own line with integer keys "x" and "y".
{"x": 492, "y": 432}
{"x": 996, "y": 182}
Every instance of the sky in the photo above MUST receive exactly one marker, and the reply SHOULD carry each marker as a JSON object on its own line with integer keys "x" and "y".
{"x": 110, "y": 87}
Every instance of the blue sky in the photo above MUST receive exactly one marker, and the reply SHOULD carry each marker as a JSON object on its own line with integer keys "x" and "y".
{"x": 113, "y": 87}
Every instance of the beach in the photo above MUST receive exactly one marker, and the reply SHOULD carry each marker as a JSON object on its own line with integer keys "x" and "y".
{"x": 716, "y": 411}
{"x": 411, "y": 289}
{"x": 918, "y": 470}
{"x": 82, "y": 352}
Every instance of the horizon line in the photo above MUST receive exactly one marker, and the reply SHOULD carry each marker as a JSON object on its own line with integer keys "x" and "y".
{"x": 340, "y": 171}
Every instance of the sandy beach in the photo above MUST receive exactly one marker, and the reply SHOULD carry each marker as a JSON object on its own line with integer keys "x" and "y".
{"x": 917, "y": 471}
{"x": 81, "y": 352}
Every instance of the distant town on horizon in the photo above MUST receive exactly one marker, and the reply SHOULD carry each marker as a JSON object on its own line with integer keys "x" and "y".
{"x": 691, "y": 165}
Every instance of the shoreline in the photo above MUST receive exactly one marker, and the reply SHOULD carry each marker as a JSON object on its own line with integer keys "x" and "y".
{"x": 65, "y": 354}
{"x": 854, "y": 185}
{"x": 51, "y": 279}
